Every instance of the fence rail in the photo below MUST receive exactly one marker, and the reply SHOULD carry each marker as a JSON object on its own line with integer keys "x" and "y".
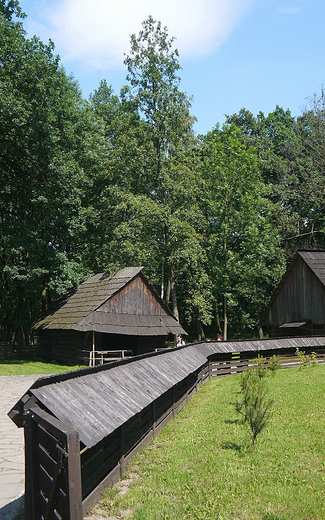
{"x": 238, "y": 362}
{"x": 6, "y": 352}
{"x": 99, "y": 357}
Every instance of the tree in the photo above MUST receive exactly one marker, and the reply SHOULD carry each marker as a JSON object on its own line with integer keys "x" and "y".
{"x": 292, "y": 161}
{"x": 150, "y": 201}
{"x": 152, "y": 72}
{"x": 48, "y": 141}
{"x": 244, "y": 250}
{"x": 304, "y": 187}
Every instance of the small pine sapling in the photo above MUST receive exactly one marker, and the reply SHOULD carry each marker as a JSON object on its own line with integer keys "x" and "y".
{"x": 255, "y": 407}
{"x": 260, "y": 366}
{"x": 274, "y": 364}
{"x": 314, "y": 360}
{"x": 305, "y": 360}
{"x": 259, "y": 410}
{"x": 248, "y": 381}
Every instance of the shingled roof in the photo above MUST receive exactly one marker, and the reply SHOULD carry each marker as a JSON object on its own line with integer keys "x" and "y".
{"x": 316, "y": 262}
{"x": 82, "y": 311}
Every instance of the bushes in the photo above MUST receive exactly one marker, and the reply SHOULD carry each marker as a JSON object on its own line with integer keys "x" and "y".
{"x": 305, "y": 359}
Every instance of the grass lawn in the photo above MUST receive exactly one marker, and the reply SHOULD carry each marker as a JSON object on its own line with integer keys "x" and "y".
{"x": 200, "y": 467}
{"x": 24, "y": 367}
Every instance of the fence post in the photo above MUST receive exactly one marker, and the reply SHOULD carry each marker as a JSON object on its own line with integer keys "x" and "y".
{"x": 121, "y": 461}
{"x": 154, "y": 419}
{"x": 74, "y": 476}
{"x": 31, "y": 470}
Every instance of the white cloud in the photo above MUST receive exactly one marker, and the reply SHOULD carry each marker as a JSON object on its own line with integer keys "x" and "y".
{"x": 96, "y": 32}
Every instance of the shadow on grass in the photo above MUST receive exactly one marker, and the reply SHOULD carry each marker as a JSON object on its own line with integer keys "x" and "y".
{"x": 234, "y": 421}
{"x": 16, "y": 361}
{"x": 228, "y": 445}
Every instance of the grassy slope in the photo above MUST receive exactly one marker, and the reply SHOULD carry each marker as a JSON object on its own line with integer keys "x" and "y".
{"x": 200, "y": 467}
{"x": 23, "y": 367}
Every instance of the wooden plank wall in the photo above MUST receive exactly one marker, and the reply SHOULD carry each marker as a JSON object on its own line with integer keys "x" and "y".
{"x": 135, "y": 298}
{"x": 104, "y": 464}
{"x": 63, "y": 345}
{"x": 301, "y": 297}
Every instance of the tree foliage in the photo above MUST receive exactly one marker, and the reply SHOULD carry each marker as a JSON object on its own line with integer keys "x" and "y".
{"x": 117, "y": 180}
{"x": 242, "y": 245}
{"x": 47, "y": 142}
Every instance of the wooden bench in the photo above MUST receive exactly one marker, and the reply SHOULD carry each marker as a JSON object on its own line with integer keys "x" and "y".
{"x": 99, "y": 357}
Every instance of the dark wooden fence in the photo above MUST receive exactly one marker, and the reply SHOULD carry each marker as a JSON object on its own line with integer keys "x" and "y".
{"x": 237, "y": 362}
{"x": 62, "y": 482}
{"x": 6, "y": 352}
{"x": 52, "y": 468}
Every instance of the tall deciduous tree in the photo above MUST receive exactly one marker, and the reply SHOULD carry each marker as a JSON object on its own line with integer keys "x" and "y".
{"x": 153, "y": 211}
{"x": 244, "y": 250}
{"x": 154, "y": 86}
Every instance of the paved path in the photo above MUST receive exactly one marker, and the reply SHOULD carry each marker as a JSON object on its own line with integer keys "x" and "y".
{"x": 12, "y": 471}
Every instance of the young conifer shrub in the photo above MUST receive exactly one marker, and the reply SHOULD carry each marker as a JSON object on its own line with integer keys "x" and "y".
{"x": 305, "y": 360}
{"x": 259, "y": 410}
{"x": 274, "y": 364}
{"x": 255, "y": 406}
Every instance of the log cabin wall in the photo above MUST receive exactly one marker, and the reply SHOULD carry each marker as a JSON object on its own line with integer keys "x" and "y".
{"x": 64, "y": 346}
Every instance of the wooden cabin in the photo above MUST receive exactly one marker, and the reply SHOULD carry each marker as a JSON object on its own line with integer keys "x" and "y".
{"x": 121, "y": 313}
{"x": 297, "y": 307}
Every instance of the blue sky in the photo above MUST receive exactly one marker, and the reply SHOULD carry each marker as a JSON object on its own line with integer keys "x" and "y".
{"x": 254, "y": 54}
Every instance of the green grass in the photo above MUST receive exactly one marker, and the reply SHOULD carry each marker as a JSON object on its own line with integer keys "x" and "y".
{"x": 25, "y": 367}
{"x": 201, "y": 467}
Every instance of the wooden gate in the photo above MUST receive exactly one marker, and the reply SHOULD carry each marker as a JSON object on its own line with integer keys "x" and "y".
{"x": 52, "y": 468}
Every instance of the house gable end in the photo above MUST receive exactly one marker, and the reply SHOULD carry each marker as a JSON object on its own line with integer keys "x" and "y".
{"x": 135, "y": 298}
{"x": 300, "y": 296}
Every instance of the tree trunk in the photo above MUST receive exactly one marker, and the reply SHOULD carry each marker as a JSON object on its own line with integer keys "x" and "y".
{"x": 173, "y": 294}
{"x": 218, "y": 320}
{"x": 225, "y": 319}
{"x": 167, "y": 292}
{"x": 199, "y": 330}
{"x": 162, "y": 288}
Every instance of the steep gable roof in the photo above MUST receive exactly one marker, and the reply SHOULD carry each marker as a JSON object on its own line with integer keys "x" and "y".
{"x": 82, "y": 310}
{"x": 316, "y": 262}
{"x": 88, "y": 297}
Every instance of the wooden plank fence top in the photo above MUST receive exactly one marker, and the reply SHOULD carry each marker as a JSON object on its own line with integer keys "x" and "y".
{"x": 260, "y": 345}
{"x": 98, "y": 400}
